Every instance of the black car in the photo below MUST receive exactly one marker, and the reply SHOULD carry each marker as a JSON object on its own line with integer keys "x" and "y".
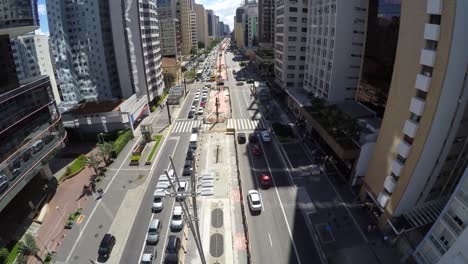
{"x": 106, "y": 246}
{"x": 187, "y": 168}
{"x": 172, "y": 250}
{"x": 190, "y": 154}
{"x": 250, "y": 81}
{"x": 252, "y": 138}
{"x": 241, "y": 138}
{"x": 195, "y": 130}
{"x": 220, "y": 83}
{"x": 190, "y": 114}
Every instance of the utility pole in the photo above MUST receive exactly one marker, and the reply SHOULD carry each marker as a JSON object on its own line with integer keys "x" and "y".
{"x": 185, "y": 88}
{"x": 217, "y": 109}
{"x": 168, "y": 112}
{"x": 183, "y": 204}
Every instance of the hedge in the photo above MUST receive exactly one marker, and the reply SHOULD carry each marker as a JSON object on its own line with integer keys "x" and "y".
{"x": 13, "y": 254}
{"x": 157, "y": 139}
{"x": 120, "y": 143}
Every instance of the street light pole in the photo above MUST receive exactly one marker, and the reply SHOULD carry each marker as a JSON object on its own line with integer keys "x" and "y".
{"x": 168, "y": 113}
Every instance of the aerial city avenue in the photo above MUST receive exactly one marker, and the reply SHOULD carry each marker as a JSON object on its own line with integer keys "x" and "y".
{"x": 233, "y": 132}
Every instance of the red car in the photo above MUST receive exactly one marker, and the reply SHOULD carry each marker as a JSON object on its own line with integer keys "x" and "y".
{"x": 203, "y": 104}
{"x": 256, "y": 150}
{"x": 265, "y": 181}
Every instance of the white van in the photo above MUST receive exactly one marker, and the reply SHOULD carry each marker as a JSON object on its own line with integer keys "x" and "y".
{"x": 193, "y": 141}
{"x": 154, "y": 229}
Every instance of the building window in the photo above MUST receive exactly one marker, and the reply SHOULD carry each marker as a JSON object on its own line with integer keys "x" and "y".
{"x": 293, "y": 9}
{"x": 291, "y": 58}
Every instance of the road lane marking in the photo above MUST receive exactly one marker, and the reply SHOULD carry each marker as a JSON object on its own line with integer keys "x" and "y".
{"x": 271, "y": 243}
{"x": 282, "y": 208}
{"x": 291, "y": 181}
{"x": 152, "y": 214}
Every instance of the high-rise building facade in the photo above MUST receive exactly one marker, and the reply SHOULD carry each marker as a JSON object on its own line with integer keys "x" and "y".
{"x": 421, "y": 151}
{"x": 85, "y": 38}
{"x": 335, "y": 47}
{"x": 185, "y": 11}
{"x": 30, "y": 123}
{"x": 211, "y": 23}
{"x": 216, "y": 27}
{"x": 193, "y": 25}
{"x": 32, "y": 58}
{"x": 221, "y": 29}
{"x": 169, "y": 27}
{"x": 202, "y": 24}
{"x": 290, "y": 43}
{"x": 251, "y": 25}
{"x": 266, "y": 23}
{"x": 383, "y": 24}
{"x": 239, "y": 27}
{"x": 83, "y": 51}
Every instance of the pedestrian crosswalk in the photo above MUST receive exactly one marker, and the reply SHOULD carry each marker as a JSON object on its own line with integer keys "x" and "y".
{"x": 183, "y": 126}
{"x": 245, "y": 124}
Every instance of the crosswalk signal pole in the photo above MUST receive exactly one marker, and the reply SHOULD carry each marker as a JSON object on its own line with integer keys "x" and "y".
{"x": 168, "y": 113}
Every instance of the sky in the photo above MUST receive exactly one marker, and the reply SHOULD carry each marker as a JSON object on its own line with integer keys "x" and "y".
{"x": 225, "y": 9}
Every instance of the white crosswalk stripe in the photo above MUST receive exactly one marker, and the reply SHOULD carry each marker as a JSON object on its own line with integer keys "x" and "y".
{"x": 245, "y": 124}
{"x": 186, "y": 126}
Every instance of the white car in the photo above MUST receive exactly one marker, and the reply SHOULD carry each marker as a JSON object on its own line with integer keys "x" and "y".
{"x": 200, "y": 110}
{"x": 193, "y": 108}
{"x": 197, "y": 97}
{"x": 265, "y": 136}
{"x": 158, "y": 200}
{"x": 255, "y": 202}
{"x": 177, "y": 220}
{"x": 147, "y": 258}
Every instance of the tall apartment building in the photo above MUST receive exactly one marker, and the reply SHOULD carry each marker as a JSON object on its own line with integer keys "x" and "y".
{"x": 335, "y": 47}
{"x": 446, "y": 241}
{"x": 193, "y": 25}
{"x": 169, "y": 27}
{"x": 211, "y": 23}
{"x": 266, "y": 23}
{"x": 185, "y": 11}
{"x": 290, "y": 43}
{"x": 239, "y": 27}
{"x": 251, "y": 25}
{"x": 383, "y": 24}
{"x": 221, "y": 29}
{"x": 421, "y": 151}
{"x": 216, "y": 26}
{"x": 202, "y": 24}
{"x": 30, "y": 123}
{"x": 32, "y": 58}
{"x": 86, "y": 38}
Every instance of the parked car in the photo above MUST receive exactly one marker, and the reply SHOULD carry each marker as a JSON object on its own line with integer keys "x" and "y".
{"x": 256, "y": 150}
{"x": 250, "y": 81}
{"x": 255, "y": 202}
{"x": 191, "y": 114}
{"x": 106, "y": 246}
{"x": 172, "y": 250}
{"x": 177, "y": 220}
{"x": 147, "y": 258}
{"x": 154, "y": 229}
{"x": 241, "y": 138}
{"x": 187, "y": 168}
{"x": 158, "y": 200}
{"x": 240, "y": 83}
{"x": 265, "y": 181}
{"x": 266, "y": 136}
{"x": 190, "y": 154}
{"x": 4, "y": 185}
{"x": 200, "y": 110}
{"x": 203, "y": 103}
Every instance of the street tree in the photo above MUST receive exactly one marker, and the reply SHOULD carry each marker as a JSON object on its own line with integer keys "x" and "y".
{"x": 28, "y": 247}
{"x": 93, "y": 161}
{"x": 104, "y": 151}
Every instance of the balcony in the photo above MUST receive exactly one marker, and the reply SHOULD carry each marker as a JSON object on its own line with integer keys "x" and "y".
{"x": 455, "y": 228}
{"x": 417, "y": 106}
{"x": 383, "y": 199}
{"x": 431, "y": 32}
{"x": 427, "y": 57}
{"x": 390, "y": 184}
{"x": 410, "y": 128}
{"x": 403, "y": 149}
{"x": 423, "y": 82}
{"x": 397, "y": 167}
{"x": 434, "y": 7}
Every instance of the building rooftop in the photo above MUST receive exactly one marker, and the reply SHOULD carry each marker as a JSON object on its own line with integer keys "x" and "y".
{"x": 300, "y": 96}
{"x": 95, "y": 107}
{"x": 355, "y": 110}
{"x": 168, "y": 62}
